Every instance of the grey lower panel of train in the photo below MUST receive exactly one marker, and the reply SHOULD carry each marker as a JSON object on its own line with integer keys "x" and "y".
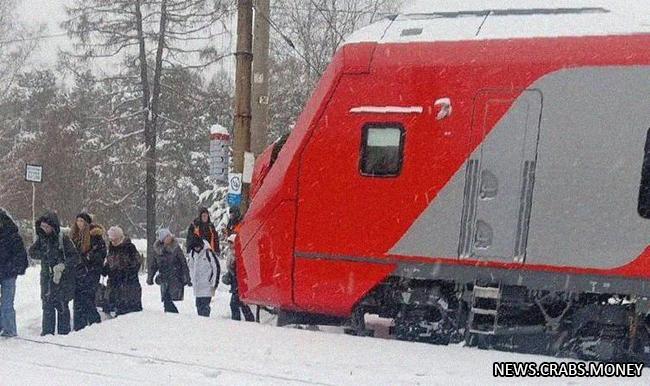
{"x": 567, "y": 193}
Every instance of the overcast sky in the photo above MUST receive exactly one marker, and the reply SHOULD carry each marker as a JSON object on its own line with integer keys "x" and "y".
{"x": 48, "y": 12}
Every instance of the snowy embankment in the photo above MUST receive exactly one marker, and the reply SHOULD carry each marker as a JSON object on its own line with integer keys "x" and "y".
{"x": 154, "y": 348}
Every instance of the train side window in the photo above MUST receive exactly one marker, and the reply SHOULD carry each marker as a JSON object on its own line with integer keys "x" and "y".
{"x": 644, "y": 193}
{"x": 382, "y": 151}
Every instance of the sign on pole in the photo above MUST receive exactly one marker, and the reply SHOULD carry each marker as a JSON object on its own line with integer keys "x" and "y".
{"x": 219, "y": 153}
{"x": 34, "y": 173}
{"x": 249, "y": 165}
{"x": 234, "y": 189}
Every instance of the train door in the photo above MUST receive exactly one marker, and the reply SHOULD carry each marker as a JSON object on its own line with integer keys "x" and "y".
{"x": 500, "y": 175}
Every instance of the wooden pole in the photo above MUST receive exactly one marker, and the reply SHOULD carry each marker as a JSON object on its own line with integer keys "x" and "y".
{"x": 260, "y": 100}
{"x": 244, "y": 55}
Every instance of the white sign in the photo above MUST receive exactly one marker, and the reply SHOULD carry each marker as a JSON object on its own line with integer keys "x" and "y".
{"x": 34, "y": 173}
{"x": 249, "y": 166}
{"x": 234, "y": 183}
{"x": 258, "y": 78}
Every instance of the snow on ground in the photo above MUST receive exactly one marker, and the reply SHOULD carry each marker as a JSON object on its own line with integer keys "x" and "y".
{"x": 154, "y": 348}
{"x": 140, "y": 245}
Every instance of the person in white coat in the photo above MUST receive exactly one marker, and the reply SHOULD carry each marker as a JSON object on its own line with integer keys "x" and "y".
{"x": 204, "y": 272}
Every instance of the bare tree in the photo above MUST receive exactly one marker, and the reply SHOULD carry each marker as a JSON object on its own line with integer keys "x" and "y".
{"x": 306, "y": 34}
{"x": 17, "y": 43}
{"x": 148, "y": 38}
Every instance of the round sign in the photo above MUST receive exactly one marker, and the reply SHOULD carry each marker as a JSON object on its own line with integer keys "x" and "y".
{"x": 235, "y": 184}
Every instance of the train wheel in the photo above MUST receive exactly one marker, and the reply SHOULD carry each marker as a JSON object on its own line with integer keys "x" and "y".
{"x": 357, "y": 324}
{"x": 424, "y": 324}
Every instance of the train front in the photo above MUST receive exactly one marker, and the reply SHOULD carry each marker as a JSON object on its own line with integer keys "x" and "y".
{"x": 264, "y": 246}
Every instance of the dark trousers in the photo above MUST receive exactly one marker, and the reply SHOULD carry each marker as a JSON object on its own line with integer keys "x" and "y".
{"x": 85, "y": 311}
{"x": 203, "y": 306}
{"x": 56, "y": 314}
{"x": 236, "y": 305}
{"x": 168, "y": 304}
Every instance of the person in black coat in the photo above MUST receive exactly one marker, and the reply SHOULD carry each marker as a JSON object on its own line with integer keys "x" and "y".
{"x": 13, "y": 262}
{"x": 89, "y": 240}
{"x": 171, "y": 265}
{"x": 59, "y": 259}
{"x": 237, "y": 307}
{"x": 122, "y": 268}
{"x": 234, "y": 218}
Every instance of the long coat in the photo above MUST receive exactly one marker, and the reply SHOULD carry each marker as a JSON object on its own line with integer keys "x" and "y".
{"x": 122, "y": 267}
{"x": 13, "y": 257}
{"x": 204, "y": 271}
{"x": 52, "y": 250}
{"x": 91, "y": 263}
{"x": 171, "y": 264}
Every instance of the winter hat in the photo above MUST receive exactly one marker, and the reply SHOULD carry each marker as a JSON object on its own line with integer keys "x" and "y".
{"x": 115, "y": 233}
{"x": 51, "y": 219}
{"x": 86, "y": 217}
{"x": 163, "y": 233}
{"x": 195, "y": 242}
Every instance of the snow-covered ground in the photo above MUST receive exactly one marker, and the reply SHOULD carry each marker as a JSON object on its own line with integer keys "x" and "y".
{"x": 156, "y": 348}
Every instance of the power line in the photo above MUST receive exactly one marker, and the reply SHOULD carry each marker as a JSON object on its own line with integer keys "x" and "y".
{"x": 327, "y": 20}
{"x": 63, "y": 34}
{"x": 32, "y": 38}
{"x": 288, "y": 40}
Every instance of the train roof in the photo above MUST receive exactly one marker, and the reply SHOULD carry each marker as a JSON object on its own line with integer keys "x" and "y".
{"x": 441, "y": 20}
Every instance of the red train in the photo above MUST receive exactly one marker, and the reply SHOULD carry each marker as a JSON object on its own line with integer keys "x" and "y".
{"x": 472, "y": 173}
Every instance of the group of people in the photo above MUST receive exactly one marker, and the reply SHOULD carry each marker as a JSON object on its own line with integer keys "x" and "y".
{"x": 73, "y": 264}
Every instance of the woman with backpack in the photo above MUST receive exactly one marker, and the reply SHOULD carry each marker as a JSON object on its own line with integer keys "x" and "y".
{"x": 204, "y": 272}
{"x": 59, "y": 259}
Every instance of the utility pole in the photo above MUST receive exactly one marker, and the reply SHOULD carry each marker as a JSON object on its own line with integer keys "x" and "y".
{"x": 244, "y": 55}
{"x": 260, "y": 102}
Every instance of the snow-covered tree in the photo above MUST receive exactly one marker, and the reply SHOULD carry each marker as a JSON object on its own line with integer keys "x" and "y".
{"x": 149, "y": 38}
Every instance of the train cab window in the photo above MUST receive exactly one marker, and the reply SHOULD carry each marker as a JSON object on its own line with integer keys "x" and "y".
{"x": 382, "y": 150}
{"x": 644, "y": 193}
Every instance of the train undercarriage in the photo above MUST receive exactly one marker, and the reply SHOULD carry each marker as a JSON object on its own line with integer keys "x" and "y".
{"x": 487, "y": 315}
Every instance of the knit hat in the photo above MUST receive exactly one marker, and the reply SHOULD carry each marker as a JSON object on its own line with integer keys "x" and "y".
{"x": 86, "y": 217}
{"x": 163, "y": 234}
{"x": 195, "y": 242}
{"x": 115, "y": 233}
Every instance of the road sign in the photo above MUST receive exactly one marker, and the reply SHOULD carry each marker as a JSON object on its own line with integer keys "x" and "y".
{"x": 234, "y": 189}
{"x": 234, "y": 183}
{"x": 34, "y": 173}
{"x": 234, "y": 199}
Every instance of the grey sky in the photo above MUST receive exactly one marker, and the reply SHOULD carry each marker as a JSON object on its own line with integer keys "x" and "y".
{"x": 48, "y": 12}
